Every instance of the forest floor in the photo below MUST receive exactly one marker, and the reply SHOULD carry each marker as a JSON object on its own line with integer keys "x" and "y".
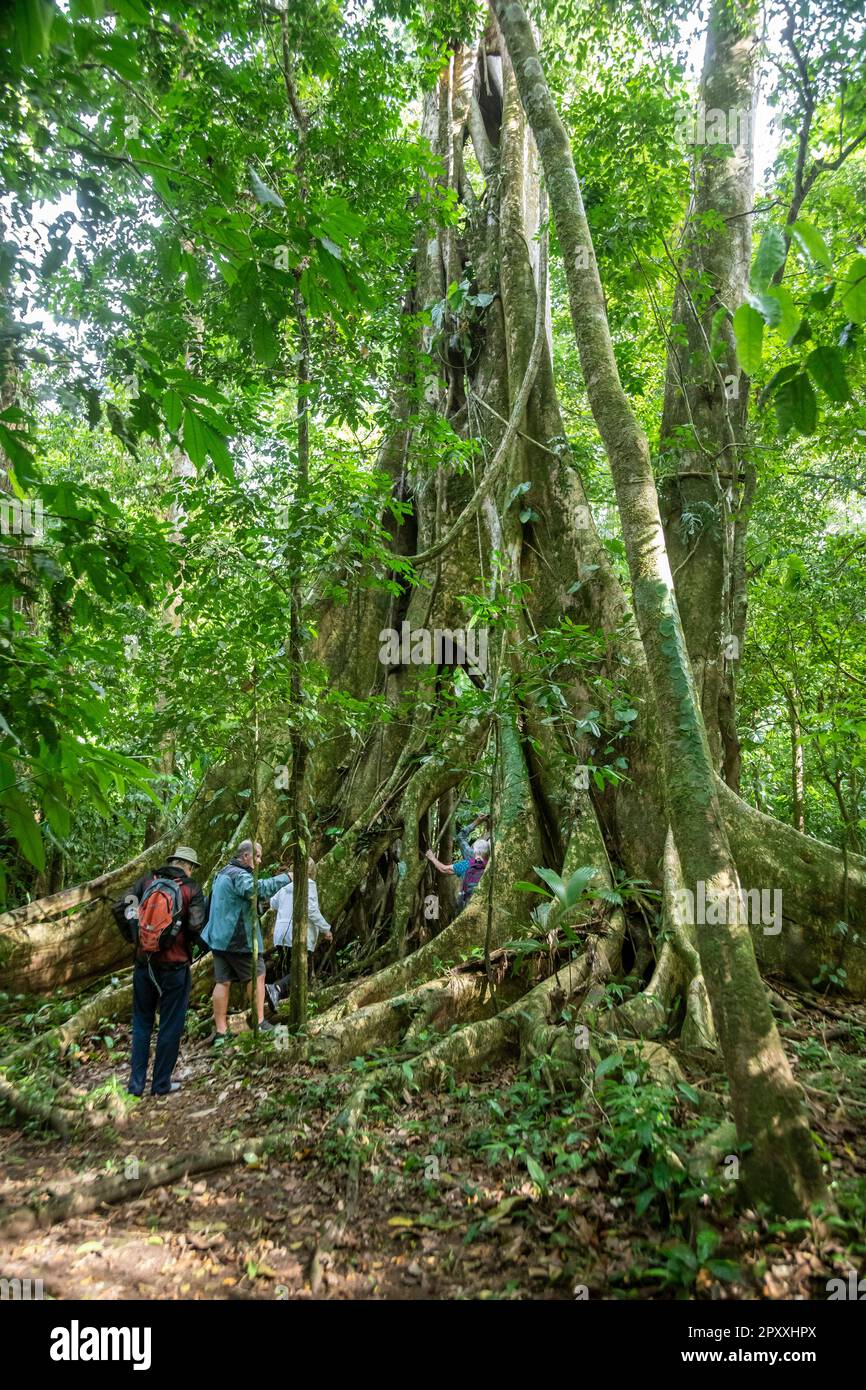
{"x": 497, "y": 1188}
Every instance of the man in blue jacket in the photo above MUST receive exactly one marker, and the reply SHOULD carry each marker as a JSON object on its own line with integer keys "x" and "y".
{"x": 229, "y": 932}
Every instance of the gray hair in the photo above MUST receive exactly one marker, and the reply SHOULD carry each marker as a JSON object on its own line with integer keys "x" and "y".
{"x": 246, "y": 847}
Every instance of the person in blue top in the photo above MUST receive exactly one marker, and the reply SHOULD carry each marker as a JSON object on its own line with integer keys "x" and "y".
{"x": 229, "y": 931}
{"x": 469, "y": 870}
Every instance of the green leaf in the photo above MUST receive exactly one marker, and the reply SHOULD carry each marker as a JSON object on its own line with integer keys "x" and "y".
{"x": 263, "y": 193}
{"x": 689, "y": 1092}
{"x": 607, "y": 1064}
{"x": 525, "y": 887}
{"x": 795, "y": 405}
{"x": 776, "y": 380}
{"x": 32, "y": 22}
{"x": 553, "y": 880}
{"x": 811, "y": 242}
{"x": 789, "y": 316}
{"x": 643, "y": 1200}
{"x": 172, "y": 411}
{"x": 218, "y": 449}
{"x": 535, "y": 1171}
{"x": 749, "y": 333}
{"x": 767, "y": 306}
{"x": 826, "y": 366}
{"x": 823, "y": 298}
{"x": 23, "y": 826}
{"x": 265, "y": 342}
{"x": 194, "y": 438}
{"x": 578, "y": 883}
{"x": 57, "y": 811}
{"x": 853, "y": 302}
{"x": 770, "y": 256}
{"x": 133, "y": 10}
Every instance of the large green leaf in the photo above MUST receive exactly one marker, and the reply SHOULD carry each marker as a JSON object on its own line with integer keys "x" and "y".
{"x": 854, "y": 294}
{"x": 194, "y": 441}
{"x": 577, "y": 884}
{"x": 788, "y": 320}
{"x": 265, "y": 341}
{"x": 32, "y": 22}
{"x": 810, "y": 241}
{"x": 776, "y": 380}
{"x": 749, "y": 333}
{"x": 172, "y": 410}
{"x": 23, "y": 826}
{"x": 767, "y": 306}
{"x": 827, "y": 368}
{"x": 770, "y": 255}
{"x": 218, "y": 449}
{"x": 796, "y": 407}
{"x": 553, "y": 880}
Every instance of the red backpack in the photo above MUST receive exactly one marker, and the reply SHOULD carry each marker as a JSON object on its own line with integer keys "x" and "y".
{"x": 160, "y": 914}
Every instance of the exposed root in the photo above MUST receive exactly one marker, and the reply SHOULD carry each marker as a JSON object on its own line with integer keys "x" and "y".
{"x": 121, "y": 1189}
{"x": 677, "y": 973}
{"x": 32, "y": 1108}
{"x": 816, "y": 894}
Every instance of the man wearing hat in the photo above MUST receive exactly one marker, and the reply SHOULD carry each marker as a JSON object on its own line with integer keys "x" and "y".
{"x": 161, "y": 980}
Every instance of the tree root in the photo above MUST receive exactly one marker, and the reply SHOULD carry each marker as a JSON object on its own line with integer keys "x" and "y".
{"x": 677, "y": 971}
{"x": 32, "y": 1108}
{"x": 811, "y": 877}
{"x": 105, "y": 1191}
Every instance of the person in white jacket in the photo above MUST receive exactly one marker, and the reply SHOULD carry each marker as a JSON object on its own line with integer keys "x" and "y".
{"x": 317, "y": 929}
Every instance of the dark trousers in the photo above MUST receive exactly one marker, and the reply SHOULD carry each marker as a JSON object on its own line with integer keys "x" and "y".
{"x": 286, "y": 964}
{"x": 175, "y": 982}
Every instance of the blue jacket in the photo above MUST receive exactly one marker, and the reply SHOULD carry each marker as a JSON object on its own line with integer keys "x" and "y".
{"x": 230, "y": 924}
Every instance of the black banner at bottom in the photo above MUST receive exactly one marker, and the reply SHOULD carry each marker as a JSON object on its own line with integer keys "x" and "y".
{"x": 222, "y": 1337}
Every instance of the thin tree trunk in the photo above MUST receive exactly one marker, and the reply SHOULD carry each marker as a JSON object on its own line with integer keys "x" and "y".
{"x": 798, "y": 811}
{"x": 300, "y": 834}
{"x": 705, "y": 503}
{"x": 782, "y": 1165}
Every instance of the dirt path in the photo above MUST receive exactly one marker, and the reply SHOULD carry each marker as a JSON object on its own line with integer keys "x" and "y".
{"x": 443, "y": 1210}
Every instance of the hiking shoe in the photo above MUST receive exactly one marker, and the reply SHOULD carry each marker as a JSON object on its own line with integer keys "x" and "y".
{"x": 219, "y": 1039}
{"x": 264, "y": 1026}
{"x": 272, "y": 997}
{"x": 175, "y": 1086}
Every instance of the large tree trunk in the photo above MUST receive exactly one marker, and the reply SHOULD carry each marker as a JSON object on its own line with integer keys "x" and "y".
{"x": 380, "y": 794}
{"x": 767, "y": 1103}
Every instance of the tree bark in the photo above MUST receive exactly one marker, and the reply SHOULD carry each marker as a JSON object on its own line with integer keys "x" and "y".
{"x": 783, "y": 1167}
{"x": 704, "y": 503}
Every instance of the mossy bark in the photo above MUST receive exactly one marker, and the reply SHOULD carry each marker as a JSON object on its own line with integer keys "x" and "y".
{"x": 768, "y": 1106}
